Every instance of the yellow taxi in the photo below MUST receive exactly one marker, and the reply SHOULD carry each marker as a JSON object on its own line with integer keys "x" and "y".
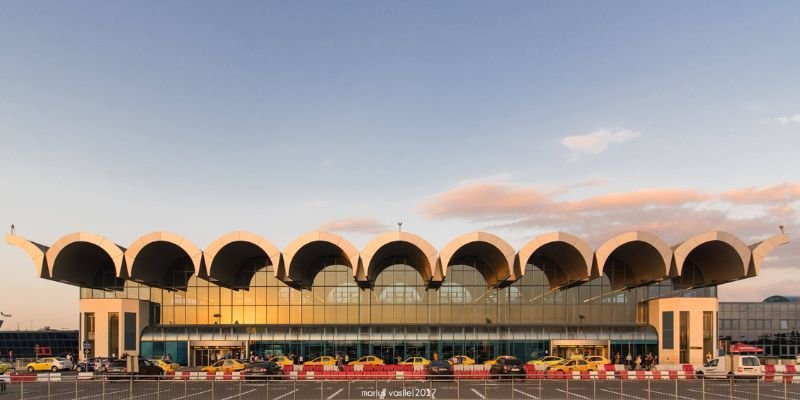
{"x": 324, "y": 360}
{"x": 549, "y": 360}
{"x": 573, "y": 365}
{"x": 463, "y": 360}
{"x": 282, "y": 360}
{"x": 224, "y": 366}
{"x": 598, "y": 361}
{"x": 49, "y": 364}
{"x": 367, "y": 360}
{"x": 494, "y": 361}
{"x": 165, "y": 365}
{"x": 415, "y": 361}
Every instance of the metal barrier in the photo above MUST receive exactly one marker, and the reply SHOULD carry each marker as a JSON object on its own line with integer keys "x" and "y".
{"x": 776, "y": 386}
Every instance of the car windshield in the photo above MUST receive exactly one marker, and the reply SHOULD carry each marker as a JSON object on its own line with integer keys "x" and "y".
{"x": 119, "y": 363}
{"x": 513, "y": 361}
{"x": 750, "y": 362}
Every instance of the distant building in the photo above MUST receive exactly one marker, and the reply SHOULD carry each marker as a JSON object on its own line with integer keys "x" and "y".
{"x": 771, "y": 324}
{"x": 48, "y": 342}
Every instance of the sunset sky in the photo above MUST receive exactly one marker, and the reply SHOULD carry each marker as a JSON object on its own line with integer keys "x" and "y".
{"x": 518, "y": 118}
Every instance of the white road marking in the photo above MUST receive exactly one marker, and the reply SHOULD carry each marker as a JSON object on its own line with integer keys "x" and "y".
{"x": 759, "y": 394}
{"x": 104, "y": 394}
{"x": 478, "y": 393}
{"x": 716, "y": 394}
{"x": 147, "y": 394}
{"x": 285, "y": 394}
{"x": 622, "y": 394}
{"x": 240, "y": 394}
{"x": 335, "y": 393}
{"x": 573, "y": 394}
{"x": 669, "y": 394}
{"x": 526, "y": 394}
{"x": 191, "y": 395}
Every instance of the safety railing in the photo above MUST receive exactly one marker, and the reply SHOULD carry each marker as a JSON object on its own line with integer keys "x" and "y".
{"x": 216, "y": 387}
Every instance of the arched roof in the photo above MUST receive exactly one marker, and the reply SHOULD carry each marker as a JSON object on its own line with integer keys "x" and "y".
{"x": 310, "y": 253}
{"x": 760, "y": 251}
{"x": 88, "y": 260}
{"x": 35, "y": 251}
{"x": 389, "y": 247}
{"x": 720, "y": 257}
{"x": 115, "y": 251}
{"x": 492, "y": 256}
{"x": 646, "y": 255}
{"x": 229, "y": 254}
{"x": 568, "y": 259}
{"x": 155, "y": 255}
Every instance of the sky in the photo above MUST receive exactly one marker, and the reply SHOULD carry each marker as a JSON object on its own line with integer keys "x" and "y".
{"x": 280, "y": 118}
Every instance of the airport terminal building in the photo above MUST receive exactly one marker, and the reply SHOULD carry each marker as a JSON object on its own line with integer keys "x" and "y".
{"x": 399, "y": 295}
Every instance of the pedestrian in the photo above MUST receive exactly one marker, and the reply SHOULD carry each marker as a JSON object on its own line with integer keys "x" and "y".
{"x": 300, "y": 360}
{"x": 168, "y": 357}
{"x": 708, "y": 357}
{"x": 339, "y": 362}
{"x": 398, "y": 359}
{"x": 648, "y": 361}
{"x": 638, "y": 362}
{"x": 435, "y": 356}
{"x": 346, "y": 358}
{"x": 618, "y": 358}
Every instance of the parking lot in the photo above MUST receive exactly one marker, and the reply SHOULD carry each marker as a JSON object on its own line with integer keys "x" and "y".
{"x": 403, "y": 389}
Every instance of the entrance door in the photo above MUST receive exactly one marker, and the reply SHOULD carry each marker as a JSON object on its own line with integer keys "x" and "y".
{"x": 207, "y": 355}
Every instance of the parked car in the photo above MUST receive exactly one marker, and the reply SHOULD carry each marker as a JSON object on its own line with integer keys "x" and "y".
{"x": 166, "y": 366}
{"x": 509, "y": 367}
{"x": 263, "y": 370}
{"x": 4, "y": 366}
{"x": 367, "y": 360}
{"x": 579, "y": 365}
{"x": 118, "y": 369}
{"x": 53, "y": 364}
{"x": 439, "y": 370}
{"x": 598, "y": 361}
{"x": 324, "y": 360}
{"x": 496, "y": 359}
{"x": 415, "y": 361}
{"x": 459, "y": 359}
{"x": 732, "y": 366}
{"x": 229, "y": 365}
{"x": 282, "y": 360}
{"x": 549, "y": 360}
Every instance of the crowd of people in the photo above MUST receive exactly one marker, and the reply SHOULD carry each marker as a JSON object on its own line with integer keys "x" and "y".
{"x": 637, "y": 363}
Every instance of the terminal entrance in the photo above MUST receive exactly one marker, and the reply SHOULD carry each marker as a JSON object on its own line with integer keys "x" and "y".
{"x": 207, "y": 355}
{"x": 569, "y": 349}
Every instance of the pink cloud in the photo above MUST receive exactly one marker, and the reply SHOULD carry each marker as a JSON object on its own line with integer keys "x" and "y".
{"x": 784, "y": 192}
{"x": 485, "y": 200}
{"x": 362, "y": 225}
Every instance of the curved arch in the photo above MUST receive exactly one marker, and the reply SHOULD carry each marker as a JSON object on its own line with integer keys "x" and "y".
{"x": 310, "y": 253}
{"x": 232, "y": 259}
{"x": 633, "y": 259}
{"x": 760, "y": 251}
{"x": 35, "y": 251}
{"x": 565, "y": 259}
{"x": 710, "y": 258}
{"x": 382, "y": 252}
{"x": 164, "y": 259}
{"x": 490, "y": 254}
{"x": 115, "y": 251}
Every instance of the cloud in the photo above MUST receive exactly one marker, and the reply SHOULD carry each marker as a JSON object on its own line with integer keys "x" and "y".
{"x": 792, "y": 119}
{"x": 784, "y": 192}
{"x": 485, "y": 200}
{"x": 598, "y": 141}
{"x": 360, "y": 225}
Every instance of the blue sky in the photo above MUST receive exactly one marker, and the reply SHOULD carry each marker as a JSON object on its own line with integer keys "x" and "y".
{"x": 280, "y": 118}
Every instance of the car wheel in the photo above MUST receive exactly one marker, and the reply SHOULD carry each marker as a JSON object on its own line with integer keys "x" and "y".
{"x": 30, "y": 369}
{"x": 54, "y": 369}
{"x": 79, "y": 369}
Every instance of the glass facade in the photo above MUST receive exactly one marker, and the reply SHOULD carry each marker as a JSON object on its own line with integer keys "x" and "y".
{"x": 399, "y": 315}
{"x": 773, "y": 326}
{"x": 24, "y": 343}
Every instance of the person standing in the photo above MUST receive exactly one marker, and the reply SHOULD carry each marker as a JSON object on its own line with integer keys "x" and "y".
{"x": 628, "y": 361}
{"x": 618, "y": 358}
{"x": 708, "y": 357}
{"x": 638, "y": 363}
{"x": 300, "y": 360}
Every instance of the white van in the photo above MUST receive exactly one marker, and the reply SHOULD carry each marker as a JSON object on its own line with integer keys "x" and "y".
{"x": 732, "y": 366}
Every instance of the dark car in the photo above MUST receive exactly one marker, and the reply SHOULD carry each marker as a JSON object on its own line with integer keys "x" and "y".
{"x": 92, "y": 365}
{"x": 263, "y": 370}
{"x": 440, "y": 369}
{"x": 508, "y": 368}
{"x": 118, "y": 369}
